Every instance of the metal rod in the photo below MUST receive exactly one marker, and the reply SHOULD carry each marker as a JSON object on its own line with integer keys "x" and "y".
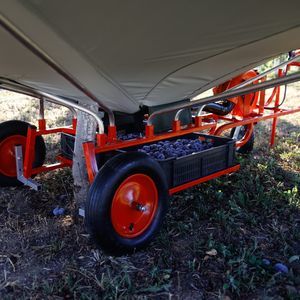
{"x": 200, "y": 110}
{"x": 35, "y": 49}
{"x": 58, "y": 100}
{"x": 77, "y": 106}
{"x": 19, "y": 88}
{"x": 230, "y": 94}
{"x": 42, "y": 109}
{"x": 74, "y": 112}
{"x": 178, "y": 114}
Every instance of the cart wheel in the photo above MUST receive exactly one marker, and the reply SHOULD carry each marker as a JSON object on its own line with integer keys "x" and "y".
{"x": 14, "y": 133}
{"x": 127, "y": 202}
{"x": 248, "y": 147}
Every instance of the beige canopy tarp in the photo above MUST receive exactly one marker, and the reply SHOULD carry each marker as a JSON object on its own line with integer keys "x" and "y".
{"x": 144, "y": 52}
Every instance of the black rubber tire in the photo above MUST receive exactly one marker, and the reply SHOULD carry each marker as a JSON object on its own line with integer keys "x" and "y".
{"x": 101, "y": 193}
{"x": 16, "y": 127}
{"x": 248, "y": 147}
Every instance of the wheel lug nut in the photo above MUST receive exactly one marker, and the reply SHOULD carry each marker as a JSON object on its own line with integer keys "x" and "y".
{"x": 140, "y": 207}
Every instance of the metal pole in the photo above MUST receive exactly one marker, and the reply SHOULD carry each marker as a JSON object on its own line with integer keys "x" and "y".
{"x": 230, "y": 94}
{"x": 178, "y": 114}
{"x": 35, "y": 49}
{"x": 18, "y": 88}
{"x": 42, "y": 109}
{"x": 77, "y": 106}
{"x": 56, "y": 99}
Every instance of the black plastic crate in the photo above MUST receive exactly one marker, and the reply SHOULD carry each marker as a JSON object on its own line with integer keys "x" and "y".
{"x": 194, "y": 166}
{"x": 182, "y": 169}
{"x": 201, "y": 164}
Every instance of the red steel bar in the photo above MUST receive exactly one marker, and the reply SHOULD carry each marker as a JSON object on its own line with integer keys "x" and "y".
{"x": 63, "y": 164}
{"x": 255, "y": 119}
{"x": 90, "y": 159}
{"x": 203, "y": 179}
{"x": 152, "y": 138}
{"x": 276, "y": 109}
{"x": 29, "y": 151}
{"x": 56, "y": 130}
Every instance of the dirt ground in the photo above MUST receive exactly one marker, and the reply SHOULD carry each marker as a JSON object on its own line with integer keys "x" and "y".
{"x": 220, "y": 240}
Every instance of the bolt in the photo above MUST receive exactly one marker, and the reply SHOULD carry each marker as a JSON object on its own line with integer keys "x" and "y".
{"x": 140, "y": 207}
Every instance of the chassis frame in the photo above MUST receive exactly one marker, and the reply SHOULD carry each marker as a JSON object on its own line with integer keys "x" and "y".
{"x": 105, "y": 142}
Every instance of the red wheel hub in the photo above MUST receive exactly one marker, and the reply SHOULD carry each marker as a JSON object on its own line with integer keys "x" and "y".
{"x": 7, "y": 154}
{"x": 134, "y": 205}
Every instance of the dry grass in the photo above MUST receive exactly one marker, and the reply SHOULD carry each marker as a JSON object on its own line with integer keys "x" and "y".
{"x": 246, "y": 217}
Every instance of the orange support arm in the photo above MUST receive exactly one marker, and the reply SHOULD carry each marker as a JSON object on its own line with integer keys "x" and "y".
{"x": 90, "y": 159}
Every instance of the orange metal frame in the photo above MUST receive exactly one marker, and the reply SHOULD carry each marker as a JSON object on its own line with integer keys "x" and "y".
{"x": 32, "y": 133}
{"x": 210, "y": 122}
{"x": 214, "y": 124}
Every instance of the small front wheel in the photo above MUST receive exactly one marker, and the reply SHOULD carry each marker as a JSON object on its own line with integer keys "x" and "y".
{"x": 127, "y": 202}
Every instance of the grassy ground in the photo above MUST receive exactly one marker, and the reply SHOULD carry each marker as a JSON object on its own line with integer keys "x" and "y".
{"x": 212, "y": 245}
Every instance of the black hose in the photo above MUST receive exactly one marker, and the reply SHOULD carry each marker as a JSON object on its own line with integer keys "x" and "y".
{"x": 220, "y": 109}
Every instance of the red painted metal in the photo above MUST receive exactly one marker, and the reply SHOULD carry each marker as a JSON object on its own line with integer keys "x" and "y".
{"x": 149, "y": 131}
{"x": 257, "y": 114}
{"x": 134, "y": 206}
{"x": 101, "y": 139}
{"x": 68, "y": 130}
{"x": 29, "y": 151}
{"x": 253, "y": 120}
{"x": 42, "y": 124}
{"x": 198, "y": 121}
{"x": 90, "y": 159}
{"x": 276, "y": 109}
{"x": 42, "y": 128}
{"x": 64, "y": 160}
{"x": 176, "y": 126}
{"x": 112, "y": 133}
{"x": 203, "y": 179}
{"x": 7, "y": 157}
{"x": 154, "y": 138}
{"x": 74, "y": 124}
{"x": 65, "y": 163}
